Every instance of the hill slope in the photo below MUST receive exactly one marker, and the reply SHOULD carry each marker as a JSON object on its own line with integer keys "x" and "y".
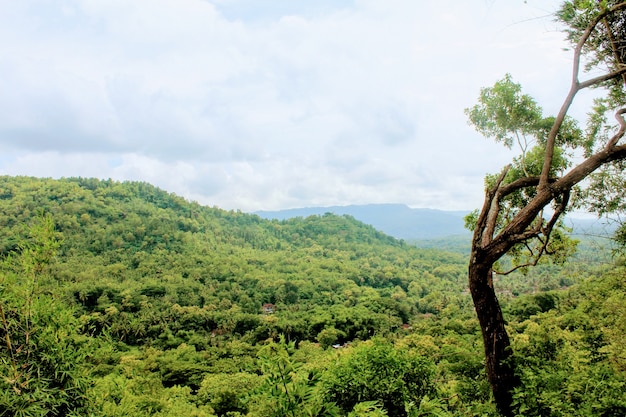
{"x": 135, "y": 238}
{"x": 120, "y": 299}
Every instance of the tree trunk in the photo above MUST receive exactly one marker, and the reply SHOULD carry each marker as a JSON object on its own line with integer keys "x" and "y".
{"x": 498, "y": 354}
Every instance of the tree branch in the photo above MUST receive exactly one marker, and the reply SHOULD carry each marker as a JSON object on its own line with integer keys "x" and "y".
{"x": 602, "y": 78}
{"x": 480, "y": 236}
{"x": 515, "y": 268}
{"x": 615, "y": 46}
{"x": 574, "y": 89}
{"x": 560, "y": 209}
{"x": 580, "y": 172}
{"x": 492, "y": 204}
{"x": 536, "y": 233}
{"x": 620, "y": 133}
{"x": 517, "y": 230}
{"x": 518, "y": 185}
{"x": 527, "y": 234}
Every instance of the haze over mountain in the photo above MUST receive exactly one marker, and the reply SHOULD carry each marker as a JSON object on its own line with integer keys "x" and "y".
{"x": 404, "y": 222}
{"x": 397, "y": 220}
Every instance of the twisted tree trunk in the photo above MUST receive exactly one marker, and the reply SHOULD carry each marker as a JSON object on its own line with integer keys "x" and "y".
{"x": 498, "y": 355}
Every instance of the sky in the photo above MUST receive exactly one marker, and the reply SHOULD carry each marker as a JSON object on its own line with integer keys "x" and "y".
{"x": 270, "y": 104}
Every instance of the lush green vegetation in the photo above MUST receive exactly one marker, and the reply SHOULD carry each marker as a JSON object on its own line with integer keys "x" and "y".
{"x": 120, "y": 299}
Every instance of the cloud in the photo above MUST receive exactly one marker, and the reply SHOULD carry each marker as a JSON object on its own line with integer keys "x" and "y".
{"x": 262, "y": 12}
{"x": 252, "y": 105}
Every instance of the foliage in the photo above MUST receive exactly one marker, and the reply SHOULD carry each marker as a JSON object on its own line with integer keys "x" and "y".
{"x": 564, "y": 369}
{"x": 510, "y": 117}
{"x": 227, "y": 393}
{"x": 376, "y": 371}
{"x": 288, "y": 390}
{"x": 150, "y": 305}
{"x": 368, "y": 409}
{"x": 603, "y": 49}
{"x": 41, "y": 352}
{"x": 506, "y": 114}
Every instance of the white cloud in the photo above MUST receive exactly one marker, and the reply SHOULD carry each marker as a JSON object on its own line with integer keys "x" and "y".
{"x": 286, "y": 104}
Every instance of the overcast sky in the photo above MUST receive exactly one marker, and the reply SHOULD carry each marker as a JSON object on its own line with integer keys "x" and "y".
{"x": 270, "y": 104}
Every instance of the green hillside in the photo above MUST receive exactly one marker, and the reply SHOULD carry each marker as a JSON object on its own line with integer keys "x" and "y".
{"x": 120, "y": 299}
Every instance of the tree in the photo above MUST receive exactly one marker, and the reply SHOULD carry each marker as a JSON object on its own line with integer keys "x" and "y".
{"x": 376, "y": 371}
{"x": 41, "y": 352}
{"x": 289, "y": 389}
{"x": 524, "y": 203}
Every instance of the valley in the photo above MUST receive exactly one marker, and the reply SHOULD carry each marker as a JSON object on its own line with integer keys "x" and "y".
{"x": 124, "y": 299}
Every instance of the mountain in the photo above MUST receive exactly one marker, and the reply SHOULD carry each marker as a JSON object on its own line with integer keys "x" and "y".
{"x": 591, "y": 227}
{"x": 423, "y": 224}
{"x": 397, "y": 220}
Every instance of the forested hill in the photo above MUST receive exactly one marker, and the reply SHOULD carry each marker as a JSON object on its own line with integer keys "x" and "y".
{"x": 138, "y": 216}
{"x": 135, "y": 237}
{"x": 120, "y": 299}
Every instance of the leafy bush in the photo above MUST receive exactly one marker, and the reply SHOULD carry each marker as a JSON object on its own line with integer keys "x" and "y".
{"x": 377, "y": 371}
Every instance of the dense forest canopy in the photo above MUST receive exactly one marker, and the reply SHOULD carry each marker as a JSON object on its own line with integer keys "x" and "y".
{"x": 120, "y": 299}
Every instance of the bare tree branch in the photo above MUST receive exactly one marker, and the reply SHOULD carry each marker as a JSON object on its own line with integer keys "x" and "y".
{"x": 481, "y": 232}
{"x": 517, "y": 267}
{"x": 522, "y": 183}
{"x": 620, "y": 119}
{"x": 601, "y": 78}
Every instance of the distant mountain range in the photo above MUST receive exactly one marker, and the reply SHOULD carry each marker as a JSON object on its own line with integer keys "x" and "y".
{"x": 403, "y": 222}
{"x": 397, "y": 220}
